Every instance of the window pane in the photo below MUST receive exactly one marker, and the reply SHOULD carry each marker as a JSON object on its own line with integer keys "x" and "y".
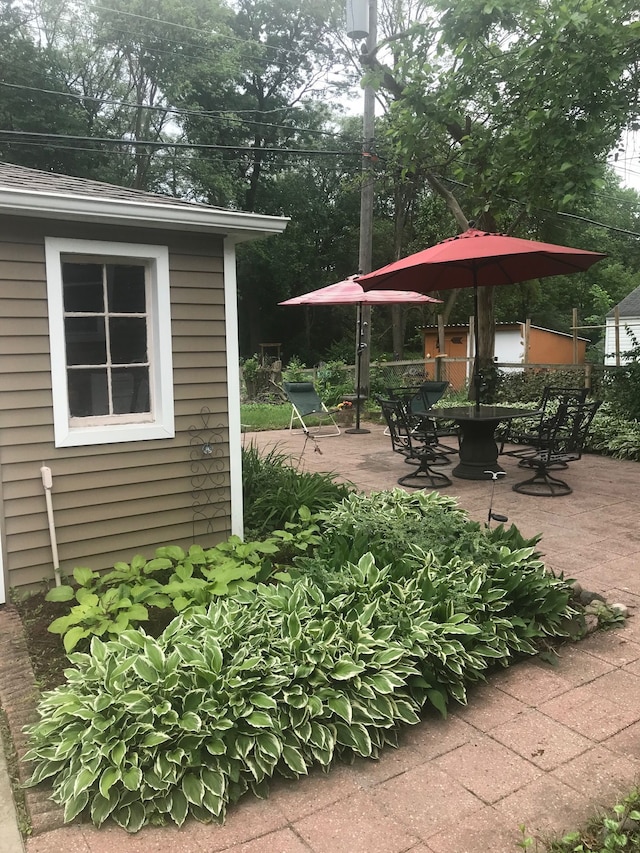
{"x": 85, "y": 339}
{"x": 130, "y": 390}
{"x": 126, "y": 289}
{"x": 128, "y": 339}
{"x": 82, "y": 287}
{"x": 88, "y": 393}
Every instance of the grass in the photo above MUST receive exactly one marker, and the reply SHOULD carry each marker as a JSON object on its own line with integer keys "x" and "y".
{"x": 256, "y": 417}
{"x": 6, "y": 743}
{"x": 618, "y": 829}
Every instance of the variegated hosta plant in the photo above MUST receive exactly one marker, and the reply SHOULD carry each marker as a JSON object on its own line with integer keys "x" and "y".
{"x": 272, "y": 681}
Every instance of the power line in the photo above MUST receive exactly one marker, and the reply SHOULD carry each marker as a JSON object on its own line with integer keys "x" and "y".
{"x": 224, "y": 115}
{"x": 195, "y": 29}
{"x": 576, "y": 216}
{"x": 178, "y": 145}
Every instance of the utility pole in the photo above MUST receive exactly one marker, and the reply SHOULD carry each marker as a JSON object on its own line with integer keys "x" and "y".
{"x": 362, "y": 20}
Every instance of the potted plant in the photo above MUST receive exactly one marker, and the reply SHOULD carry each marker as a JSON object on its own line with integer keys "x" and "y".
{"x": 344, "y": 413}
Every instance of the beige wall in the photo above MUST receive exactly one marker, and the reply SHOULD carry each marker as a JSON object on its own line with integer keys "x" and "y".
{"x": 110, "y": 501}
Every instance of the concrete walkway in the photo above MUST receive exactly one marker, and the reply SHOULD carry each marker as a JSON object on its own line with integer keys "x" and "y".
{"x": 538, "y": 746}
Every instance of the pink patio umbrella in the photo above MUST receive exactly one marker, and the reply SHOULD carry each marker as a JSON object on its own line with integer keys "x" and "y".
{"x": 349, "y": 292}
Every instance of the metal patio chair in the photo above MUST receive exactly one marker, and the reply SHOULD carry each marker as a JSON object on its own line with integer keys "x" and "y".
{"x": 306, "y": 403}
{"x": 531, "y": 432}
{"x": 418, "y": 400}
{"x": 418, "y": 446}
{"x": 562, "y": 442}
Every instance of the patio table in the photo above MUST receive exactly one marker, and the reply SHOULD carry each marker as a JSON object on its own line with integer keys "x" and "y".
{"x": 478, "y": 448}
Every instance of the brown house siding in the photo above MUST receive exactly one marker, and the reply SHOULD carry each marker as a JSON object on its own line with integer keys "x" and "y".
{"x": 110, "y": 501}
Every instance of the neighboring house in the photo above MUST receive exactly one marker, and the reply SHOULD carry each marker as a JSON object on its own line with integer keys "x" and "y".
{"x": 628, "y": 328}
{"x": 545, "y": 347}
{"x": 118, "y": 372}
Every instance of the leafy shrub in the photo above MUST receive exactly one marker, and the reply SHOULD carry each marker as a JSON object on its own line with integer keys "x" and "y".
{"x": 112, "y": 602}
{"x": 334, "y": 380}
{"x": 612, "y": 434}
{"x": 273, "y": 491}
{"x": 273, "y": 681}
{"x": 622, "y": 386}
{"x": 526, "y": 386}
{"x": 295, "y": 371}
{"x": 386, "y": 523}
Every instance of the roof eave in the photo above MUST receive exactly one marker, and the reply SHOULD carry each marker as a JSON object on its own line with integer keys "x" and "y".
{"x": 179, "y": 217}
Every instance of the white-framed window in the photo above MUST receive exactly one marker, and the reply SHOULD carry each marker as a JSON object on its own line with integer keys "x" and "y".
{"x": 110, "y": 337}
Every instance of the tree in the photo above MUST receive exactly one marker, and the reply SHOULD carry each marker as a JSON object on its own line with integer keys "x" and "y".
{"x": 517, "y": 105}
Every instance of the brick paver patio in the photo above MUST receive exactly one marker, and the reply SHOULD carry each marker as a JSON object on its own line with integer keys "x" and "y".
{"x": 537, "y": 745}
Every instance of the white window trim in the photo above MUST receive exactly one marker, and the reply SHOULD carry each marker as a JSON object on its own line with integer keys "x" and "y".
{"x": 162, "y": 424}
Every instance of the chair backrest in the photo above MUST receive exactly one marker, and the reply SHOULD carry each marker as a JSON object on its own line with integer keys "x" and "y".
{"x": 419, "y": 398}
{"x": 395, "y": 416}
{"x": 303, "y": 396}
{"x": 568, "y": 429}
{"x": 432, "y": 392}
{"x": 558, "y": 393}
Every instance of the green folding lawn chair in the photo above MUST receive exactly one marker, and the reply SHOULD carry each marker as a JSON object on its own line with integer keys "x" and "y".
{"x": 306, "y": 404}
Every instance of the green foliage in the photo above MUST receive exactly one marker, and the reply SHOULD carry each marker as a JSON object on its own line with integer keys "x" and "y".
{"x": 622, "y": 385}
{"x": 613, "y": 435}
{"x": 333, "y": 381}
{"x": 181, "y": 581}
{"x": 526, "y": 386}
{"x": 619, "y": 830}
{"x": 275, "y": 680}
{"x": 273, "y": 490}
{"x": 295, "y": 371}
{"x": 256, "y": 417}
{"x": 386, "y": 523}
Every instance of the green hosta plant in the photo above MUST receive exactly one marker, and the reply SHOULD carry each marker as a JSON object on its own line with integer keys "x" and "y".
{"x": 271, "y": 681}
{"x": 385, "y": 523}
{"x": 109, "y": 603}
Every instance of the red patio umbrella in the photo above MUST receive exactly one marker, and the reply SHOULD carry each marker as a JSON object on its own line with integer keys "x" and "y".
{"x": 349, "y": 292}
{"x": 478, "y": 259}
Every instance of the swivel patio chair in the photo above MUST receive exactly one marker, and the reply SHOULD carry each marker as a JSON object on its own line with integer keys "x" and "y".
{"x": 532, "y": 432}
{"x": 305, "y": 403}
{"x": 417, "y": 446}
{"x": 562, "y": 442}
{"x": 419, "y": 399}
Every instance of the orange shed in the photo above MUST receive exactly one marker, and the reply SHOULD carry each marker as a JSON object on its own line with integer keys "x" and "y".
{"x": 546, "y": 346}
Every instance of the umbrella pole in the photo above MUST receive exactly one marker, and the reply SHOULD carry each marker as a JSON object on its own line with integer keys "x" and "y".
{"x": 477, "y": 380}
{"x": 357, "y": 430}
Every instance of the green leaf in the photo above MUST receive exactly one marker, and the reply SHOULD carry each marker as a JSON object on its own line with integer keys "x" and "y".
{"x": 154, "y": 739}
{"x": 193, "y": 788}
{"x": 131, "y": 778}
{"x": 439, "y": 700}
{"x": 345, "y": 669}
{"x": 85, "y": 778}
{"x": 179, "y": 806}
{"x": 341, "y": 706}
{"x": 214, "y": 781}
{"x": 260, "y": 719}
{"x": 293, "y": 758}
{"x": 84, "y": 576}
{"x": 101, "y": 807}
{"x": 118, "y": 752}
{"x": 145, "y": 670}
{"x": 190, "y": 722}
{"x": 60, "y": 593}
{"x": 110, "y": 776}
{"x": 73, "y": 637}
{"x": 261, "y": 700}
{"x": 137, "y": 816}
{"x": 74, "y": 805}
